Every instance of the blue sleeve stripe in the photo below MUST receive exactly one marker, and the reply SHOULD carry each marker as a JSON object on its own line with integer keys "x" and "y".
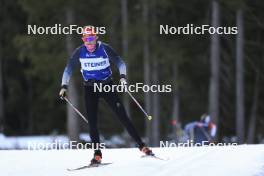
{"x": 72, "y": 62}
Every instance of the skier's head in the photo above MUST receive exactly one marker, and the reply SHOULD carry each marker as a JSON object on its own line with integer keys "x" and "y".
{"x": 89, "y": 38}
{"x": 205, "y": 118}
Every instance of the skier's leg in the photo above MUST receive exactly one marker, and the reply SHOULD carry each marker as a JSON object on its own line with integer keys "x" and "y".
{"x": 114, "y": 102}
{"x": 91, "y": 103}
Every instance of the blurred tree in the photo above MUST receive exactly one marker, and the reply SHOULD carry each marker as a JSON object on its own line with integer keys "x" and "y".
{"x": 2, "y": 109}
{"x": 2, "y": 112}
{"x": 176, "y": 103}
{"x": 124, "y": 18}
{"x": 155, "y": 62}
{"x": 146, "y": 60}
{"x": 215, "y": 65}
{"x": 240, "y": 110}
{"x": 253, "y": 113}
{"x": 43, "y": 54}
{"x": 73, "y": 126}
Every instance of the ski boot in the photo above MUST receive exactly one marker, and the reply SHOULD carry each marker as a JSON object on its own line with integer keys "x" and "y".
{"x": 97, "y": 159}
{"x": 147, "y": 151}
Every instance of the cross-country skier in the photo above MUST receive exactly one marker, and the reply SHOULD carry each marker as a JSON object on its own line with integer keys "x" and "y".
{"x": 95, "y": 58}
{"x": 203, "y": 131}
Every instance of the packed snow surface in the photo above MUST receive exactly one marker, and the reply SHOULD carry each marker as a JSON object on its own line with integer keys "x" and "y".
{"x": 243, "y": 160}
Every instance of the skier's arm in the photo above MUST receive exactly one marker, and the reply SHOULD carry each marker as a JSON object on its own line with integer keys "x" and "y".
{"x": 116, "y": 59}
{"x": 72, "y": 62}
{"x": 189, "y": 127}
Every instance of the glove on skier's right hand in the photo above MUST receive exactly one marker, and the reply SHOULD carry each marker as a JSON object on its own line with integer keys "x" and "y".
{"x": 123, "y": 82}
{"x": 63, "y": 91}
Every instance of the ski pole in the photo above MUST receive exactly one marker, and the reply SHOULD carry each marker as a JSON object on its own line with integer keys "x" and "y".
{"x": 206, "y": 134}
{"x": 146, "y": 114}
{"x": 76, "y": 110}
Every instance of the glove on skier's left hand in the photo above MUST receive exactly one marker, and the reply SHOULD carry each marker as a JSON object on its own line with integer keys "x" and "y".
{"x": 123, "y": 83}
{"x": 63, "y": 91}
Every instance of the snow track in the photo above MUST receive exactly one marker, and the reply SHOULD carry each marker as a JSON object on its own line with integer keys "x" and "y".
{"x": 243, "y": 160}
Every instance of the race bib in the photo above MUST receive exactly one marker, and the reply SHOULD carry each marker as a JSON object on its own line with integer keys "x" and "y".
{"x": 91, "y": 64}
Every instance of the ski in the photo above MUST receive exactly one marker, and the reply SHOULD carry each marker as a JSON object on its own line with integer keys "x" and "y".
{"x": 155, "y": 157}
{"x": 89, "y": 166}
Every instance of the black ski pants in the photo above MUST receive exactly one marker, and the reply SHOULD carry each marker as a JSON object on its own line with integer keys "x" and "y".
{"x": 112, "y": 99}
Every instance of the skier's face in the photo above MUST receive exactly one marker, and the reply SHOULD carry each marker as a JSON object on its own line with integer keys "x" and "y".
{"x": 90, "y": 42}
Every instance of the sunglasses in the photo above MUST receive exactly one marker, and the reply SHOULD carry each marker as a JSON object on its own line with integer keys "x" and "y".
{"x": 89, "y": 39}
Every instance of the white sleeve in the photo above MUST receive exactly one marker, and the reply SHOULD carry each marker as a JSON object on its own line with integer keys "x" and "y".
{"x": 213, "y": 130}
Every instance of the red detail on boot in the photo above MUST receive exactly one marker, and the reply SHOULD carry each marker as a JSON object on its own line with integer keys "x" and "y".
{"x": 98, "y": 158}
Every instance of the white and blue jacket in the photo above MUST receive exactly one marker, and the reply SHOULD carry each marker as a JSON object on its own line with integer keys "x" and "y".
{"x": 95, "y": 65}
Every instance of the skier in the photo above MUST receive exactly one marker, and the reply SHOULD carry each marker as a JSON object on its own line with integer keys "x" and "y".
{"x": 94, "y": 57}
{"x": 202, "y": 131}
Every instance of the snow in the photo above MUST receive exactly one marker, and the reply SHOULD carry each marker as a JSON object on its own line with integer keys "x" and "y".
{"x": 243, "y": 160}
